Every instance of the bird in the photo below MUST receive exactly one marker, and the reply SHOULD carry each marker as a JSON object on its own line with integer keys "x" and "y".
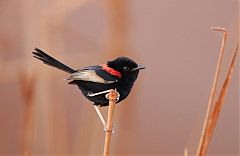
{"x": 95, "y": 81}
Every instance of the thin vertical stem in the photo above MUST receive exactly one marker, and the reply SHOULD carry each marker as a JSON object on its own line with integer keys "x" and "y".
{"x": 27, "y": 85}
{"x": 202, "y": 148}
{"x": 220, "y": 101}
{"x": 100, "y": 115}
{"x": 112, "y": 101}
{"x": 214, "y": 114}
{"x": 185, "y": 152}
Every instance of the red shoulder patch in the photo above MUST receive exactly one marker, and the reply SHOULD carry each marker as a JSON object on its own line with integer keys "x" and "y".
{"x": 111, "y": 70}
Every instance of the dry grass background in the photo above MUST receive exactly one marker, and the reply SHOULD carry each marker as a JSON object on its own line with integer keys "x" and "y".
{"x": 47, "y": 117}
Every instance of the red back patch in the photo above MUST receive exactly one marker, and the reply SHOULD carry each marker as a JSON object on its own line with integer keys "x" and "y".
{"x": 111, "y": 70}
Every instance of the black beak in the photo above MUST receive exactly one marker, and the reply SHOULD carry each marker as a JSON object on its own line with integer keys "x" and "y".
{"x": 139, "y": 67}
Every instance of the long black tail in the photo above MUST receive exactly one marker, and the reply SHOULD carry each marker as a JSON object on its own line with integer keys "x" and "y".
{"x": 39, "y": 54}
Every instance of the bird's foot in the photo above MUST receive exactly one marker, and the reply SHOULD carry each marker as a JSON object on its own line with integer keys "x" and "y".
{"x": 90, "y": 94}
{"x": 109, "y": 130}
{"x": 118, "y": 96}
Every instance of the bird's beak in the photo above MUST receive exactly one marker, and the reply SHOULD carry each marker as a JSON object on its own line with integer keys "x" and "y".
{"x": 139, "y": 67}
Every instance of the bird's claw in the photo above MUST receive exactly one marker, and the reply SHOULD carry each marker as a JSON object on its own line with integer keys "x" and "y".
{"x": 118, "y": 96}
{"x": 90, "y": 94}
{"x": 109, "y": 130}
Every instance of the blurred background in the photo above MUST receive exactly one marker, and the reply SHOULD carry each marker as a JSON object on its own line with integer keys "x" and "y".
{"x": 41, "y": 115}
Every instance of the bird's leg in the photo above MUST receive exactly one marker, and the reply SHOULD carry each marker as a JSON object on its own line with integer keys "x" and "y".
{"x": 98, "y": 93}
{"x": 103, "y": 92}
{"x": 100, "y": 116}
{"x": 97, "y": 109}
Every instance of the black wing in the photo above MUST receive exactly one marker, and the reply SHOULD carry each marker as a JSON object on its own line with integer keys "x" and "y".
{"x": 93, "y": 74}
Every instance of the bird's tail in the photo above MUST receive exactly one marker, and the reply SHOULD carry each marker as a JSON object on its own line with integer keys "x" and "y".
{"x": 39, "y": 54}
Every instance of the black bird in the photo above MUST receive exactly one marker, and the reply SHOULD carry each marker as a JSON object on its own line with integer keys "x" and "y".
{"x": 119, "y": 74}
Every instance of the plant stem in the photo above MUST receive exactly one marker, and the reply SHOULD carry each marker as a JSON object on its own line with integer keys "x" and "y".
{"x": 112, "y": 101}
{"x": 203, "y": 145}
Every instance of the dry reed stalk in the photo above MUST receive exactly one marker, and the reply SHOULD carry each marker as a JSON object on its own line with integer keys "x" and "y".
{"x": 213, "y": 92}
{"x": 219, "y": 103}
{"x": 213, "y": 118}
{"x": 119, "y": 19}
{"x": 112, "y": 101}
{"x": 27, "y": 86}
{"x": 214, "y": 109}
{"x": 185, "y": 152}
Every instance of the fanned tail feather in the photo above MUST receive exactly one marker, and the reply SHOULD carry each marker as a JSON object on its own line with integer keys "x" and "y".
{"x": 39, "y": 54}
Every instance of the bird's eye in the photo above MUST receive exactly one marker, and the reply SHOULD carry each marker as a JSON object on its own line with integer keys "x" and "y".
{"x": 126, "y": 68}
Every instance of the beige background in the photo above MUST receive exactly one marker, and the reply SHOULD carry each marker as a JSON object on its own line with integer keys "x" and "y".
{"x": 165, "y": 110}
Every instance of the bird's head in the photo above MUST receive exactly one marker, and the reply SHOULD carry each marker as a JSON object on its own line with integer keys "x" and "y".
{"x": 125, "y": 66}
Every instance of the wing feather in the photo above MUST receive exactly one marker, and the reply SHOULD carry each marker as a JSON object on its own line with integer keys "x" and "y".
{"x": 92, "y": 75}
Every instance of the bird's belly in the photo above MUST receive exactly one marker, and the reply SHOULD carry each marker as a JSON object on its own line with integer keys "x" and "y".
{"x": 92, "y": 87}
